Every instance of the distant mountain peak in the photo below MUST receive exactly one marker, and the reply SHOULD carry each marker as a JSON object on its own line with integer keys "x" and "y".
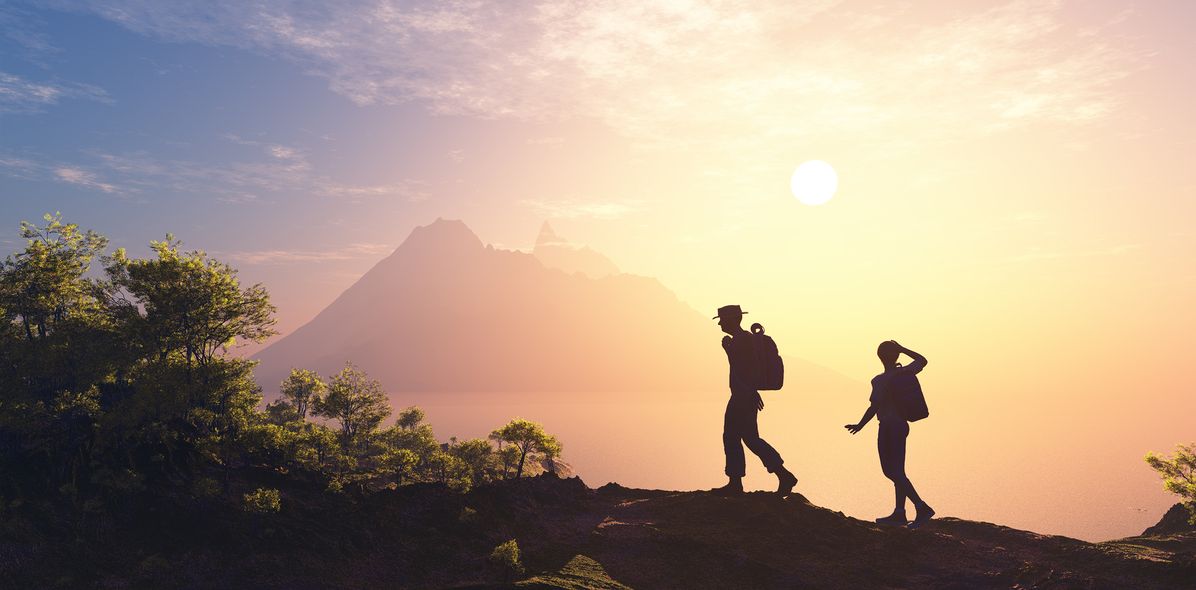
{"x": 548, "y": 237}
{"x": 442, "y": 235}
{"x": 556, "y": 252}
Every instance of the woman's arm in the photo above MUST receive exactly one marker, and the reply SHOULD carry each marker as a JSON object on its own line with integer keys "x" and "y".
{"x": 854, "y": 428}
{"x": 919, "y": 360}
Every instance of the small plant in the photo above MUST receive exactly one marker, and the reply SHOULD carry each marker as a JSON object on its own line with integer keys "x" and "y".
{"x": 262, "y": 501}
{"x": 469, "y": 515}
{"x": 1179, "y": 475}
{"x": 506, "y": 557}
{"x": 205, "y": 487}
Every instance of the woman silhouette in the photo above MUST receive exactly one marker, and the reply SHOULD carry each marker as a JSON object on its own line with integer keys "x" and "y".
{"x": 893, "y": 430}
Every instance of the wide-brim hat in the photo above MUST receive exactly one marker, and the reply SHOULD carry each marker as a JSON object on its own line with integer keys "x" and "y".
{"x": 729, "y": 310}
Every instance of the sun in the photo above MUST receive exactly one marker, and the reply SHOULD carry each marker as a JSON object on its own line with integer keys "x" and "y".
{"x": 814, "y": 182}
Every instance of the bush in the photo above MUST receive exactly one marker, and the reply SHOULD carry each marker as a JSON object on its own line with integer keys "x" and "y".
{"x": 262, "y": 501}
{"x": 506, "y": 557}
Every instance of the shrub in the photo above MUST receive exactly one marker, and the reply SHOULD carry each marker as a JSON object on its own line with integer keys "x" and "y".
{"x": 506, "y": 557}
{"x": 262, "y": 501}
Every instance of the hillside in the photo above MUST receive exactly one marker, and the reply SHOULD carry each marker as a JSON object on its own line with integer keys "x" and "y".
{"x": 445, "y": 312}
{"x": 570, "y": 536}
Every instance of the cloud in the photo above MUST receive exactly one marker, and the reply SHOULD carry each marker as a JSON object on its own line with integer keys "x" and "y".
{"x": 350, "y": 252}
{"x": 571, "y": 209}
{"x": 19, "y": 95}
{"x": 83, "y": 178}
{"x": 280, "y": 171}
{"x": 716, "y": 76}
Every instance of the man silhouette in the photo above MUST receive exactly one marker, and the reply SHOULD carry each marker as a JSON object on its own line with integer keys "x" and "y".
{"x": 739, "y": 423}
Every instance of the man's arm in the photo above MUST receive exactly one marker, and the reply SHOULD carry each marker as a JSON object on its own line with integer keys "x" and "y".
{"x": 919, "y": 360}
{"x": 854, "y": 428}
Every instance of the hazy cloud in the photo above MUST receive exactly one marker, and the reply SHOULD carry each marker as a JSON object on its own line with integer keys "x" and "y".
{"x": 83, "y": 178}
{"x": 349, "y": 252}
{"x": 20, "y": 95}
{"x": 721, "y": 75}
{"x": 281, "y": 172}
{"x": 570, "y": 209}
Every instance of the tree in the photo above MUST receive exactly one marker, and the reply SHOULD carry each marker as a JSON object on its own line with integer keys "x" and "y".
{"x": 447, "y": 469}
{"x": 478, "y": 456}
{"x": 1179, "y": 475}
{"x": 187, "y": 303}
{"x": 401, "y": 463}
{"x": 527, "y": 437}
{"x": 409, "y": 432}
{"x": 303, "y": 389}
{"x": 44, "y": 284}
{"x": 410, "y": 418}
{"x": 551, "y": 449}
{"x": 356, "y": 402}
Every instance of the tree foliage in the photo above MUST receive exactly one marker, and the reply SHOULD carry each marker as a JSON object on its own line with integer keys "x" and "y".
{"x": 528, "y": 438}
{"x": 1179, "y": 475}
{"x": 303, "y": 389}
{"x": 356, "y": 402}
{"x": 117, "y": 392}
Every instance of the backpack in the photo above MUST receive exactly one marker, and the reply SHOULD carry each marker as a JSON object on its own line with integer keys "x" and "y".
{"x": 770, "y": 367}
{"x": 907, "y": 396}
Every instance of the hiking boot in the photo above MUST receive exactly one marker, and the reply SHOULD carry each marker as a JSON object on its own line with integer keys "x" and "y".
{"x": 785, "y": 482}
{"x": 728, "y": 490}
{"x": 924, "y": 515}
{"x": 894, "y": 519}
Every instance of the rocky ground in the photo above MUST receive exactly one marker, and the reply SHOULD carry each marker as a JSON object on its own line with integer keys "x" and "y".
{"x": 571, "y": 536}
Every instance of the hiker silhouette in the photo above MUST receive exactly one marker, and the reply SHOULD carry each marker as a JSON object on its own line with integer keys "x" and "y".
{"x": 894, "y": 429}
{"x": 739, "y": 423}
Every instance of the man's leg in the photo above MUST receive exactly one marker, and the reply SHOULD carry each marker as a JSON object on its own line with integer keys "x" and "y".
{"x": 890, "y": 447}
{"x": 733, "y": 449}
{"x": 750, "y": 433}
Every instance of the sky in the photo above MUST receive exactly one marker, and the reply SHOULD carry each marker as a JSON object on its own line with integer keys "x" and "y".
{"x": 1015, "y": 199}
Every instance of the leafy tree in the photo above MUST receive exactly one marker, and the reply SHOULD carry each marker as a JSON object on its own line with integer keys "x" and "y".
{"x": 280, "y": 412}
{"x": 187, "y": 303}
{"x": 551, "y": 450}
{"x": 401, "y": 463}
{"x": 410, "y": 418}
{"x": 478, "y": 457}
{"x": 409, "y": 432}
{"x": 1179, "y": 475}
{"x": 445, "y": 468}
{"x": 507, "y": 458}
{"x": 44, "y": 285}
{"x": 526, "y": 436}
{"x": 303, "y": 389}
{"x": 356, "y": 402}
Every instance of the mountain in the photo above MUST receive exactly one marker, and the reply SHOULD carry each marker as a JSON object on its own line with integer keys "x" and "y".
{"x": 445, "y": 312}
{"x": 556, "y": 252}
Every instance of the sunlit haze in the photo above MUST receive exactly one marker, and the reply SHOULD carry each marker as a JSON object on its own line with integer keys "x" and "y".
{"x": 1014, "y": 199}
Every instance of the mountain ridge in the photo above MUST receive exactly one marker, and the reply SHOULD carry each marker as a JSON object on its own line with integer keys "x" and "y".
{"x": 445, "y": 312}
